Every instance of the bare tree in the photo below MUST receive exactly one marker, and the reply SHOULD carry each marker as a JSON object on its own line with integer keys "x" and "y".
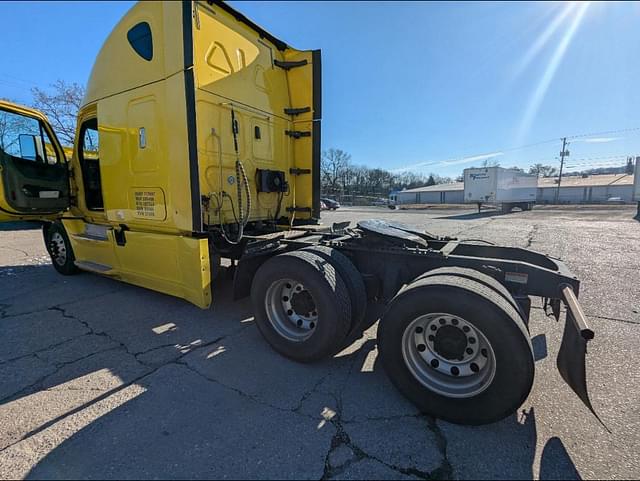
{"x": 11, "y": 126}
{"x": 542, "y": 170}
{"x": 61, "y": 104}
{"x": 490, "y": 163}
{"x": 340, "y": 177}
{"x": 333, "y": 166}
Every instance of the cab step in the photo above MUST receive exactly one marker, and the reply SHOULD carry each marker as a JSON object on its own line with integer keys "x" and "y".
{"x": 93, "y": 267}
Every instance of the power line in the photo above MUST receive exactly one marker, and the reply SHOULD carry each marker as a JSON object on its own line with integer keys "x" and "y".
{"x": 620, "y": 156}
{"x": 570, "y": 137}
{"x": 608, "y": 132}
{"x": 602, "y": 162}
{"x": 529, "y": 145}
{"x": 17, "y": 80}
{"x": 534, "y": 144}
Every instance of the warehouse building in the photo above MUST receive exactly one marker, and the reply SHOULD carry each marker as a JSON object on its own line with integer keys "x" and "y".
{"x": 593, "y": 189}
{"x": 573, "y": 190}
{"x": 434, "y": 194}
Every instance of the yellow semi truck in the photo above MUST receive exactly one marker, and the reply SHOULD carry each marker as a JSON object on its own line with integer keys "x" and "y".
{"x": 199, "y": 140}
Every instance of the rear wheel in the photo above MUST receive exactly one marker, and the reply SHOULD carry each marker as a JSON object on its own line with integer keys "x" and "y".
{"x": 352, "y": 278}
{"x": 60, "y": 250}
{"x": 457, "y": 349}
{"x": 478, "y": 276}
{"x": 301, "y": 305}
{"x": 507, "y": 208}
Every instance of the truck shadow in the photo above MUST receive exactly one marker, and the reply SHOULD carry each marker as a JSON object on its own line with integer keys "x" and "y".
{"x": 474, "y": 215}
{"x": 168, "y": 390}
{"x": 556, "y": 462}
{"x": 507, "y": 450}
{"x": 25, "y": 225}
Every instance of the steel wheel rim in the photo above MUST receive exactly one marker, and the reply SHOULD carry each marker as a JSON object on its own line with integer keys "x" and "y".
{"x": 291, "y": 310}
{"x": 58, "y": 249}
{"x": 430, "y": 348}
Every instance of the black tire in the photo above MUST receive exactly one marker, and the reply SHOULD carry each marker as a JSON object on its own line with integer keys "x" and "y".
{"x": 351, "y": 276}
{"x": 478, "y": 276}
{"x": 373, "y": 312}
{"x": 329, "y": 292}
{"x": 493, "y": 316}
{"x": 54, "y": 235}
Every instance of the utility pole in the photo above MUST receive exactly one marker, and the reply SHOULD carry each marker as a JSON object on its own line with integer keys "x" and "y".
{"x": 636, "y": 184}
{"x": 563, "y": 154}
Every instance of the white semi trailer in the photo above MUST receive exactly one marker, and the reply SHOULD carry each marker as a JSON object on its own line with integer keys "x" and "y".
{"x": 505, "y": 188}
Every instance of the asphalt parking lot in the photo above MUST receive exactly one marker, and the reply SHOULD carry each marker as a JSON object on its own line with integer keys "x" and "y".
{"x": 99, "y": 379}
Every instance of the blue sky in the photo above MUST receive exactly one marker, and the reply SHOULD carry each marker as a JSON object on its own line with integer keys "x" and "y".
{"x": 427, "y": 86}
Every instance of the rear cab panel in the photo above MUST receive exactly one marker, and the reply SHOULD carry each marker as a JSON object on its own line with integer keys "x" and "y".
{"x": 274, "y": 92}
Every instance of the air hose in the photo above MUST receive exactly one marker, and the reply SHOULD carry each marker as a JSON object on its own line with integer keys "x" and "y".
{"x": 242, "y": 183}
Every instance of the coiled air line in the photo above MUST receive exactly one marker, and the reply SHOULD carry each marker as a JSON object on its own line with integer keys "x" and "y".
{"x": 241, "y": 181}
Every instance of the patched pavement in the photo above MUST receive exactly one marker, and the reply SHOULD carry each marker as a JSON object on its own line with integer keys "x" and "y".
{"x": 99, "y": 379}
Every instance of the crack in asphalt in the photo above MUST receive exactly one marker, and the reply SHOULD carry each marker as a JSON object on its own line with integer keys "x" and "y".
{"x": 104, "y": 334}
{"x": 240, "y": 392}
{"x": 341, "y": 438}
{"x": 477, "y": 226}
{"x": 108, "y": 393}
{"x": 531, "y": 235}
{"x": 57, "y": 367}
{"x": 123, "y": 346}
{"x": 45, "y": 349}
{"x": 25, "y": 253}
{"x": 5, "y": 307}
{"x": 102, "y": 397}
{"x": 445, "y": 470}
{"x": 314, "y": 389}
{"x": 615, "y": 319}
{"x": 395, "y": 417}
{"x": 626, "y": 321}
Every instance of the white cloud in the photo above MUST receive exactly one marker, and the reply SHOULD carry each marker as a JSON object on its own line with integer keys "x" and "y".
{"x": 415, "y": 166}
{"x": 600, "y": 140}
{"x": 473, "y": 158}
{"x": 460, "y": 160}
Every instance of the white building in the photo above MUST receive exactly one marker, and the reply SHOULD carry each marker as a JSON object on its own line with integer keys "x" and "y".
{"x": 573, "y": 190}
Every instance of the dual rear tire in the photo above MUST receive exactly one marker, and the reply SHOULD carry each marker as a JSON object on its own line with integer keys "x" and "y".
{"x": 303, "y": 305}
{"x": 457, "y": 347}
{"x": 453, "y": 341}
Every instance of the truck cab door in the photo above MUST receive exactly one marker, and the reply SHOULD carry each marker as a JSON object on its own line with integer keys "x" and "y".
{"x": 34, "y": 174}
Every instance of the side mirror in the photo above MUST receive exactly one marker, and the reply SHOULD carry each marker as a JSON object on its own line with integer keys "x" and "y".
{"x": 28, "y": 148}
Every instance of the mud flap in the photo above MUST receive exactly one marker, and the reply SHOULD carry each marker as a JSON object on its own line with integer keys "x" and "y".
{"x": 572, "y": 356}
